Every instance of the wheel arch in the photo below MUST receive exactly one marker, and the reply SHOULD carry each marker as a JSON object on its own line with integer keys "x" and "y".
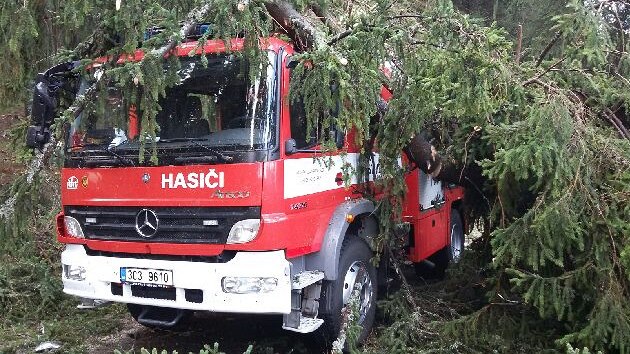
{"x": 364, "y": 225}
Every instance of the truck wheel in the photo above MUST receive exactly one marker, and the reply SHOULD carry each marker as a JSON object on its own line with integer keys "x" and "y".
{"x": 355, "y": 270}
{"x": 159, "y": 317}
{"x": 456, "y": 245}
{"x": 438, "y": 262}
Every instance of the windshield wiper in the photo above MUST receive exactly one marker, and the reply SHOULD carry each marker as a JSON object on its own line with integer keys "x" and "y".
{"x": 196, "y": 141}
{"x": 99, "y": 148}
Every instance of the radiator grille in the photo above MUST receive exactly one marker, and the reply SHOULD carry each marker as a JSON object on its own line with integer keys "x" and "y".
{"x": 176, "y": 225}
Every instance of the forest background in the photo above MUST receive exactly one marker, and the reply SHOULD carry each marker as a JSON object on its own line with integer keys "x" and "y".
{"x": 528, "y": 99}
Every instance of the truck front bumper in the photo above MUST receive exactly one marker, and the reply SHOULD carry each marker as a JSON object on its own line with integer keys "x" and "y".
{"x": 196, "y": 285}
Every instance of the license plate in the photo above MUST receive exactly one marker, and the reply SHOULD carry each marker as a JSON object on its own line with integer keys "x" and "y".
{"x": 158, "y": 277}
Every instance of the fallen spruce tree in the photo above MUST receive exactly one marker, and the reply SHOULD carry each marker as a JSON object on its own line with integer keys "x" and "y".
{"x": 540, "y": 139}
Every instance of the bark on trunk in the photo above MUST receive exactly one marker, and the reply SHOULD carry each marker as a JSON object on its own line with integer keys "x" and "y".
{"x": 423, "y": 153}
{"x": 303, "y": 33}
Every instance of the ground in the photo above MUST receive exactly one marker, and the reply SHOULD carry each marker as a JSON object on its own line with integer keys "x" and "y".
{"x": 234, "y": 333}
{"x": 8, "y": 166}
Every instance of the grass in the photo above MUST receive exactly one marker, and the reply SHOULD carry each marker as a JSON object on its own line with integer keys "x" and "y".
{"x": 76, "y": 330}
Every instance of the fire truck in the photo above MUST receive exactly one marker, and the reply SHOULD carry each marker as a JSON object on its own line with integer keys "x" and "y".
{"x": 239, "y": 213}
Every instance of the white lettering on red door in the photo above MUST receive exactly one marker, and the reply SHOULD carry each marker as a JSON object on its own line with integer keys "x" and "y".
{"x": 211, "y": 179}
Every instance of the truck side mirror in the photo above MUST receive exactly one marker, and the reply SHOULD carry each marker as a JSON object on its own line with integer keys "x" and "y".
{"x": 45, "y": 97}
{"x": 336, "y": 110}
{"x": 340, "y": 138}
{"x": 42, "y": 115}
{"x": 37, "y": 136}
{"x": 41, "y": 100}
{"x": 290, "y": 146}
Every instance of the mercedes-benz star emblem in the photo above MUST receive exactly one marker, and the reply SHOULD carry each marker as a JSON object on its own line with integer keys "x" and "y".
{"x": 146, "y": 178}
{"x": 147, "y": 223}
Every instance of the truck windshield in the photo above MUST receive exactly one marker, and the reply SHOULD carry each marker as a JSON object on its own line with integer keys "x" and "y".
{"x": 214, "y": 112}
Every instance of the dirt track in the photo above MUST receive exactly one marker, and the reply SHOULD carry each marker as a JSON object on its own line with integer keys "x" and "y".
{"x": 234, "y": 333}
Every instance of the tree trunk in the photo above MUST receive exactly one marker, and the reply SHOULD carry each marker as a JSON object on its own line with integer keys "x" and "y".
{"x": 423, "y": 153}
{"x": 303, "y": 33}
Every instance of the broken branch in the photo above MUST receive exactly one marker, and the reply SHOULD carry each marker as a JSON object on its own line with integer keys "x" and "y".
{"x": 545, "y": 51}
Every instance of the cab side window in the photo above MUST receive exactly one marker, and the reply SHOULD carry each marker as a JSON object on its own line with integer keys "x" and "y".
{"x": 299, "y": 124}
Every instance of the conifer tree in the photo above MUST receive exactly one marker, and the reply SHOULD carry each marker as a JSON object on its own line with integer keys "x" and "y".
{"x": 539, "y": 136}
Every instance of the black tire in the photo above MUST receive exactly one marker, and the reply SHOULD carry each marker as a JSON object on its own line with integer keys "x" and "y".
{"x": 179, "y": 318}
{"x": 456, "y": 244}
{"x": 355, "y": 254}
{"x": 438, "y": 262}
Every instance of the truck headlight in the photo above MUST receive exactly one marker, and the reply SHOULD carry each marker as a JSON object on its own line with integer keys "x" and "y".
{"x": 248, "y": 285}
{"x": 72, "y": 227}
{"x": 73, "y": 272}
{"x": 244, "y": 231}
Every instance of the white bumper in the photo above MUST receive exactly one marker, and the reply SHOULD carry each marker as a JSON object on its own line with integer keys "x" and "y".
{"x": 100, "y": 272}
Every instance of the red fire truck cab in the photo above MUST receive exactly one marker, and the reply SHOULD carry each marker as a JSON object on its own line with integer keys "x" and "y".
{"x": 240, "y": 214}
